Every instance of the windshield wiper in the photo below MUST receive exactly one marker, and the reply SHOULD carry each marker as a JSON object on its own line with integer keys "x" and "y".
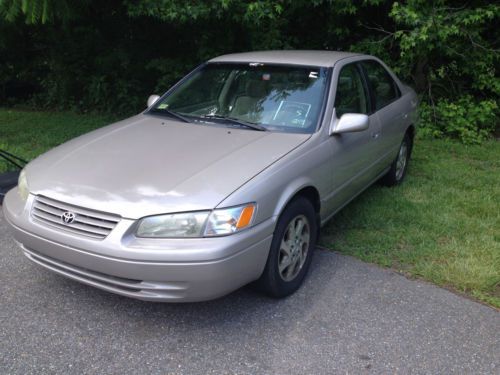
{"x": 236, "y": 121}
{"x": 178, "y": 116}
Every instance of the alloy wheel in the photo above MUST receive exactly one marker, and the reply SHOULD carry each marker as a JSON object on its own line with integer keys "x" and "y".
{"x": 293, "y": 248}
{"x": 401, "y": 161}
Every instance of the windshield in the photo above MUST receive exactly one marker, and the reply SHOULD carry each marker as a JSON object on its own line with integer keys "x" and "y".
{"x": 276, "y": 97}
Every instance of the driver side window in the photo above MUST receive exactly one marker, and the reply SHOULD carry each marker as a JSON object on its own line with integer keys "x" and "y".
{"x": 351, "y": 95}
{"x": 198, "y": 92}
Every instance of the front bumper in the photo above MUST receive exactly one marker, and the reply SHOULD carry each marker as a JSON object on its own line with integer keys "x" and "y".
{"x": 176, "y": 270}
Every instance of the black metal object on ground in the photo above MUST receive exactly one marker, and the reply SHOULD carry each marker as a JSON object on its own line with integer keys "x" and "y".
{"x": 9, "y": 179}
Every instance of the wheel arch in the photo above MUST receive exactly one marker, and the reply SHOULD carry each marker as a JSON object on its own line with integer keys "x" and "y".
{"x": 410, "y": 130}
{"x": 300, "y": 189}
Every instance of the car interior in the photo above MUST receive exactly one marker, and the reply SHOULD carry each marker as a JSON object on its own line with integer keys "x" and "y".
{"x": 287, "y": 99}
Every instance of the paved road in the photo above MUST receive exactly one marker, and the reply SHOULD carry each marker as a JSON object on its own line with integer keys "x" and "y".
{"x": 349, "y": 318}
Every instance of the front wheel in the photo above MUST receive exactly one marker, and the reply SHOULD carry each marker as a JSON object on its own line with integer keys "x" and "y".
{"x": 291, "y": 249}
{"x": 400, "y": 165}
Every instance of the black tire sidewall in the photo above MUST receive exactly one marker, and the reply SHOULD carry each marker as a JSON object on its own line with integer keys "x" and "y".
{"x": 271, "y": 281}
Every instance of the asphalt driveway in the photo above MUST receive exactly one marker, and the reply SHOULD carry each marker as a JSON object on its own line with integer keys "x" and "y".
{"x": 349, "y": 318}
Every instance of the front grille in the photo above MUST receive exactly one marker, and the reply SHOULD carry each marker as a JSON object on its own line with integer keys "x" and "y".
{"x": 88, "y": 223}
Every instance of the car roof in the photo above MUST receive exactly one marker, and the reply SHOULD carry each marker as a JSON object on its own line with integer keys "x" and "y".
{"x": 294, "y": 57}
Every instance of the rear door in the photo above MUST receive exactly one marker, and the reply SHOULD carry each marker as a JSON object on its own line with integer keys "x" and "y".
{"x": 384, "y": 94}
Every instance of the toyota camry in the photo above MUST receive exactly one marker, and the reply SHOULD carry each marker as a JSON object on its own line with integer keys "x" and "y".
{"x": 224, "y": 180}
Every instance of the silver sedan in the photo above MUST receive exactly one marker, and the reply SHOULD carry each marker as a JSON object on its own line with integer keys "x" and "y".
{"x": 224, "y": 180}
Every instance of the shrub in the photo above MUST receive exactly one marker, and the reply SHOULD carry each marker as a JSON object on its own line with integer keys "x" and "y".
{"x": 469, "y": 120}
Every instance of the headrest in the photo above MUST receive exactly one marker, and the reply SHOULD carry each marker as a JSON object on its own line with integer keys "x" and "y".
{"x": 256, "y": 88}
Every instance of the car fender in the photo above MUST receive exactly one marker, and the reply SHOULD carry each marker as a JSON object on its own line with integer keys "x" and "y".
{"x": 291, "y": 190}
{"x": 274, "y": 187}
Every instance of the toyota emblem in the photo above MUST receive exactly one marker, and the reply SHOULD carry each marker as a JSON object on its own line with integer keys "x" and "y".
{"x": 68, "y": 217}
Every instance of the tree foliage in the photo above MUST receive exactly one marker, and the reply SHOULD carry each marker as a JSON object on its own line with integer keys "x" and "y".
{"x": 40, "y": 11}
{"x": 107, "y": 56}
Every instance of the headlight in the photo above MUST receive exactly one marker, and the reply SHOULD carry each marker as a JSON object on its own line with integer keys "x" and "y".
{"x": 229, "y": 220}
{"x": 197, "y": 224}
{"x": 22, "y": 186}
{"x": 189, "y": 224}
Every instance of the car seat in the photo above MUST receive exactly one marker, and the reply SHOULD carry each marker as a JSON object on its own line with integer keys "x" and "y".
{"x": 255, "y": 91}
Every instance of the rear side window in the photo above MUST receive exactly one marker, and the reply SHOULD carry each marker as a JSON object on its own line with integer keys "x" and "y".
{"x": 384, "y": 89}
{"x": 351, "y": 96}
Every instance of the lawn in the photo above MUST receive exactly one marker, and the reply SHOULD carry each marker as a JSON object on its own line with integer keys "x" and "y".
{"x": 28, "y": 134}
{"x": 442, "y": 224}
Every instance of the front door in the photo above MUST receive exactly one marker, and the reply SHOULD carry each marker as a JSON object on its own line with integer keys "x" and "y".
{"x": 353, "y": 154}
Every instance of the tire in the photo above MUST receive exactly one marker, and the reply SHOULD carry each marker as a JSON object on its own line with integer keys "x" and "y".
{"x": 288, "y": 247}
{"x": 399, "y": 166}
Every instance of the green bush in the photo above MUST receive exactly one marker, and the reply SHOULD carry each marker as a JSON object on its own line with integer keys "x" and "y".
{"x": 469, "y": 120}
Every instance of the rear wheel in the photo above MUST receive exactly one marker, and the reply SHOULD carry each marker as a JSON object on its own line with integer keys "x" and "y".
{"x": 400, "y": 165}
{"x": 291, "y": 249}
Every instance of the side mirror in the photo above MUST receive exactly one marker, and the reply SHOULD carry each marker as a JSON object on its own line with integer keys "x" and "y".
{"x": 351, "y": 122}
{"x": 152, "y": 100}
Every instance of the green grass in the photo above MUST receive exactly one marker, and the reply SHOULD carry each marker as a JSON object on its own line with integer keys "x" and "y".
{"x": 28, "y": 134}
{"x": 442, "y": 224}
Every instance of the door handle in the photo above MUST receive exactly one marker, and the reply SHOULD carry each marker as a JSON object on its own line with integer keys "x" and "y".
{"x": 375, "y": 135}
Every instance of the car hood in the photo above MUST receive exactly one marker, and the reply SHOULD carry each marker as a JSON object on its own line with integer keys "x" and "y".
{"x": 147, "y": 165}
